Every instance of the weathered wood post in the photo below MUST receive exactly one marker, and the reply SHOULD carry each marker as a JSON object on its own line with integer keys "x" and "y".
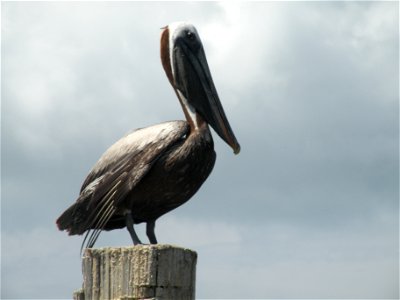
{"x": 138, "y": 272}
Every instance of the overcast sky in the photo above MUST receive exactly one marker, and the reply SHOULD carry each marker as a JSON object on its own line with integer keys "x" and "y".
{"x": 308, "y": 209}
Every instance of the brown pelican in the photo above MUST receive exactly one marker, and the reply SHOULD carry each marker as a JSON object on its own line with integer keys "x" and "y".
{"x": 153, "y": 170}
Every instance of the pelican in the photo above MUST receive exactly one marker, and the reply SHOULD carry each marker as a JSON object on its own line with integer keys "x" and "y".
{"x": 153, "y": 170}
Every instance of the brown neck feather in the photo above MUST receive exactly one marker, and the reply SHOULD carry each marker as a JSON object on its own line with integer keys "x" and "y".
{"x": 166, "y": 63}
{"x": 164, "y": 52}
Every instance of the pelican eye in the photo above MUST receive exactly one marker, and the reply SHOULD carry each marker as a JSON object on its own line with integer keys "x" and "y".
{"x": 190, "y": 35}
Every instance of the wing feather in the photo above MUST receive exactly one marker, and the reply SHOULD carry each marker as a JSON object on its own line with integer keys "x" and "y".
{"x": 116, "y": 174}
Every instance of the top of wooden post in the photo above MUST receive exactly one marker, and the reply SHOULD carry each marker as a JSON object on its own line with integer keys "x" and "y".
{"x": 139, "y": 272}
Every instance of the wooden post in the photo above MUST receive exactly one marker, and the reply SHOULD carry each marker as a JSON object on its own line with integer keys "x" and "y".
{"x": 138, "y": 272}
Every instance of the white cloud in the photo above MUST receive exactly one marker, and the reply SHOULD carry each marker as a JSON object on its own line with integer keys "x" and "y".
{"x": 243, "y": 45}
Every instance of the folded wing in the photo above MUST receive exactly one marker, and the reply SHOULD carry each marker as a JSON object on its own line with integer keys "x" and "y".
{"x": 116, "y": 174}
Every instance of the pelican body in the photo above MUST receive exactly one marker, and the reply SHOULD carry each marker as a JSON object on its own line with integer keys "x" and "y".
{"x": 153, "y": 170}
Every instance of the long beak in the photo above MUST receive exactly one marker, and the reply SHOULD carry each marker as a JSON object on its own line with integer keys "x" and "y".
{"x": 193, "y": 79}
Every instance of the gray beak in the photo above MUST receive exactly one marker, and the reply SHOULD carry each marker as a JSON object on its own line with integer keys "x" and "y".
{"x": 193, "y": 79}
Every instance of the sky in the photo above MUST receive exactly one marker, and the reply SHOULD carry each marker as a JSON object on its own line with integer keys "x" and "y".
{"x": 308, "y": 209}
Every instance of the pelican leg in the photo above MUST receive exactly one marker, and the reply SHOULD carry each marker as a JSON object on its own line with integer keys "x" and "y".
{"x": 129, "y": 226}
{"x": 150, "y": 232}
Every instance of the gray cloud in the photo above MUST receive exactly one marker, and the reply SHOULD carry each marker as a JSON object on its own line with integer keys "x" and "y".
{"x": 311, "y": 91}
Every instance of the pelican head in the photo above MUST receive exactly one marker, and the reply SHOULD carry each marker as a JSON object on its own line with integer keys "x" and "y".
{"x": 185, "y": 64}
